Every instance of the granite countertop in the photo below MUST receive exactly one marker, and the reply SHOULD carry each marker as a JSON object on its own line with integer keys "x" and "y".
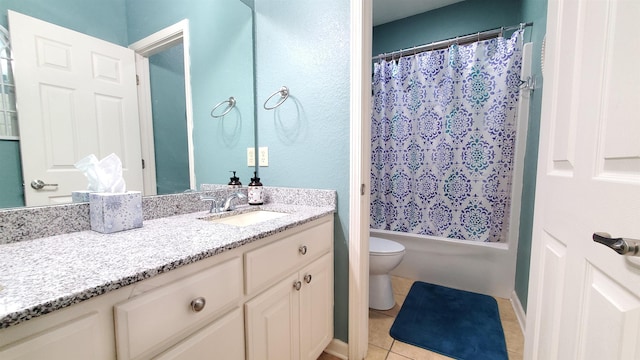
{"x": 43, "y": 275}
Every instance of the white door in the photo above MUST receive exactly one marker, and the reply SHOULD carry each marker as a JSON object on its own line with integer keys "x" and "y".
{"x": 76, "y": 95}
{"x": 584, "y": 298}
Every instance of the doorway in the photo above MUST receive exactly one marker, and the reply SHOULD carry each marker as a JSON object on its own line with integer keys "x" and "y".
{"x": 159, "y": 58}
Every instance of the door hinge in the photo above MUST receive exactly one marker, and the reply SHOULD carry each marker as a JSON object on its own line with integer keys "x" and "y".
{"x": 137, "y": 80}
{"x": 361, "y": 189}
{"x": 143, "y": 164}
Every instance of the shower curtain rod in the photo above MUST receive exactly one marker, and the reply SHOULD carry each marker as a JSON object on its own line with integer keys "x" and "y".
{"x": 482, "y": 35}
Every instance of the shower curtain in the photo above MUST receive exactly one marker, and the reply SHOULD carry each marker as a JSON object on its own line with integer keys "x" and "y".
{"x": 443, "y": 133}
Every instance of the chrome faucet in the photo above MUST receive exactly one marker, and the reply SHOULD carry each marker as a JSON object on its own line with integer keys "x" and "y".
{"x": 215, "y": 204}
{"x": 228, "y": 206}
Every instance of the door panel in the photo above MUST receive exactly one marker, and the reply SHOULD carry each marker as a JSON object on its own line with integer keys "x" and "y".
{"x": 552, "y": 271}
{"x": 611, "y": 316}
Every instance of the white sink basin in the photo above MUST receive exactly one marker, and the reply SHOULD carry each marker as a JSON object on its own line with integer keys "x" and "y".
{"x": 248, "y": 218}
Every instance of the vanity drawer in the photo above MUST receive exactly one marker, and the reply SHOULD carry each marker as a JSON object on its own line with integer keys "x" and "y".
{"x": 151, "y": 322}
{"x": 269, "y": 263}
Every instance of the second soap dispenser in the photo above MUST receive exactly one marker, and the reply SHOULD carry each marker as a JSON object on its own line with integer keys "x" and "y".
{"x": 256, "y": 195}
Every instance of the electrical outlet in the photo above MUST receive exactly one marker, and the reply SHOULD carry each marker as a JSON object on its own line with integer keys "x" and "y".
{"x": 263, "y": 156}
{"x": 251, "y": 156}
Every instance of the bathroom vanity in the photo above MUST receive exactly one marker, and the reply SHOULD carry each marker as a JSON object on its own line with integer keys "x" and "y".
{"x": 180, "y": 287}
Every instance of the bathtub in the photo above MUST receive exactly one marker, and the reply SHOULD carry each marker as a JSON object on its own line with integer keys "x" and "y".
{"x": 486, "y": 268}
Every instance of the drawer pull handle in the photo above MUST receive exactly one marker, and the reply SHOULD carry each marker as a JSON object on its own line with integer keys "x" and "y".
{"x": 307, "y": 278}
{"x": 197, "y": 304}
{"x": 303, "y": 249}
{"x": 297, "y": 285}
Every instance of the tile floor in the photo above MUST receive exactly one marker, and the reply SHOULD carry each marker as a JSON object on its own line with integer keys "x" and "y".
{"x": 383, "y": 347}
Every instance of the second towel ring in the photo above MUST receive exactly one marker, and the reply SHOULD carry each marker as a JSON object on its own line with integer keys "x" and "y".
{"x": 232, "y": 103}
{"x": 284, "y": 95}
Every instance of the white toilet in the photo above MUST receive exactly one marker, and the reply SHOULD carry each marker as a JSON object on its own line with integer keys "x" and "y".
{"x": 384, "y": 256}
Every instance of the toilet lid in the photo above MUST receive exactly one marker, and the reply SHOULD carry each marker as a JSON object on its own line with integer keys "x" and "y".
{"x": 383, "y": 246}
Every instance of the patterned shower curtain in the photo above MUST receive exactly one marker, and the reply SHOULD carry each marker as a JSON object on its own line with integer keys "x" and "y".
{"x": 443, "y": 133}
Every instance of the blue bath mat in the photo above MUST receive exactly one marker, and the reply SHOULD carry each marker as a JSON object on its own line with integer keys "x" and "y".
{"x": 455, "y": 323}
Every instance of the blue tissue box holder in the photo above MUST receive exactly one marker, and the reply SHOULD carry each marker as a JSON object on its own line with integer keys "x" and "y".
{"x": 111, "y": 213}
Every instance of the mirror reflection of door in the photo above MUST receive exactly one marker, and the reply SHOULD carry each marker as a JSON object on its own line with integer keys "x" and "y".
{"x": 166, "y": 73}
{"x": 77, "y": 114}
{"x": 76, "y": 95}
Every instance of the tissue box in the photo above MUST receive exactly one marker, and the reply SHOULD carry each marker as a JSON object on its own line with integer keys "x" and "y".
{"x": 80, "y": 196}
{"x": 115, "y": 212}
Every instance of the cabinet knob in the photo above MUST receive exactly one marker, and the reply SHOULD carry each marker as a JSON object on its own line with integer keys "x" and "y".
{"x": 197, "y": 304}
{"x": 303, "y": 249}
{"x": 307, "y": 278}
{"x": 297, "y": 285}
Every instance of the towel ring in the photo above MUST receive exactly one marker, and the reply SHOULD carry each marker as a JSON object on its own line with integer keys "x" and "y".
{"x": 232, "y": 104}
{"x": 284, "y": 95}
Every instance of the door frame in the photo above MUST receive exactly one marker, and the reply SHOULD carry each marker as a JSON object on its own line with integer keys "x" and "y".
{"x": 144, "y": 48}
{"x": 359, "y": 180}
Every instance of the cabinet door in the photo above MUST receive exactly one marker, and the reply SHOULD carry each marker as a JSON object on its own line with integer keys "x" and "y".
{"x": 223, "y": 339}
{"x": 316, "y": 307}
{"x": 76, "y": 339}
{"x": 273, "y": 331}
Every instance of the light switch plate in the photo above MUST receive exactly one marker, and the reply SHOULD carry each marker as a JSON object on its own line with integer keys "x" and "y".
{"x": 263, "y": 156}
{"x": 251, "y": 156}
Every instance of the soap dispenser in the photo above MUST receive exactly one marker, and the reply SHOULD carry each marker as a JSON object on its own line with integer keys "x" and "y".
{"x": 256, "y": 196}
{"x": 234, "y": 181}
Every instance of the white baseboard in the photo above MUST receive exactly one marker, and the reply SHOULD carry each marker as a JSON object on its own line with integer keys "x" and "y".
{"x": 520, "y": 314}
{"x": 338, "y": 348}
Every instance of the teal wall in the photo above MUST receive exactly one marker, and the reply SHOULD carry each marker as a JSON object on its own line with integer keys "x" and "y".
{"x": 461, "y": 18}
{"x": 468, "y": 17}
{"x": 221, "y": 66}
{"x": 166, "y": 72}
{"x": 536, "y": 12}
{"x": 11, "y": 177}
{"x": 102, "y": 19}
{"x": 304, "y": 45}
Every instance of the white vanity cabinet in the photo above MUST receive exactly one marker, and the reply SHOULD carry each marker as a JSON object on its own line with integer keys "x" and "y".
{"x": 155, "y": 320}
{"x": 222, "y": 339}
{"x": 269, "y": 299}
{"x": 81, "y": 331}
{"x": 293, "y": 319}
{"x": 75, "y": 339}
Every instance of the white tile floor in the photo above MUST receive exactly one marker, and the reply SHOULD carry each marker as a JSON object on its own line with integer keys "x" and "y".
{"x": 383, "y": 347}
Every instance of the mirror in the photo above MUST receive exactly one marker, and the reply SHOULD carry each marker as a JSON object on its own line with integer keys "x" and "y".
{"x": 221, "y": 66}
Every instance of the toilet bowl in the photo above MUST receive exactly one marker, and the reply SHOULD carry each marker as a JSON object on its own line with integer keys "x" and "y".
{"x": 384, "y": 256}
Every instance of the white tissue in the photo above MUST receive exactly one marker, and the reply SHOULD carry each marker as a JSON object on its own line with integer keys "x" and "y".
{"x": 104, "y": 175}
